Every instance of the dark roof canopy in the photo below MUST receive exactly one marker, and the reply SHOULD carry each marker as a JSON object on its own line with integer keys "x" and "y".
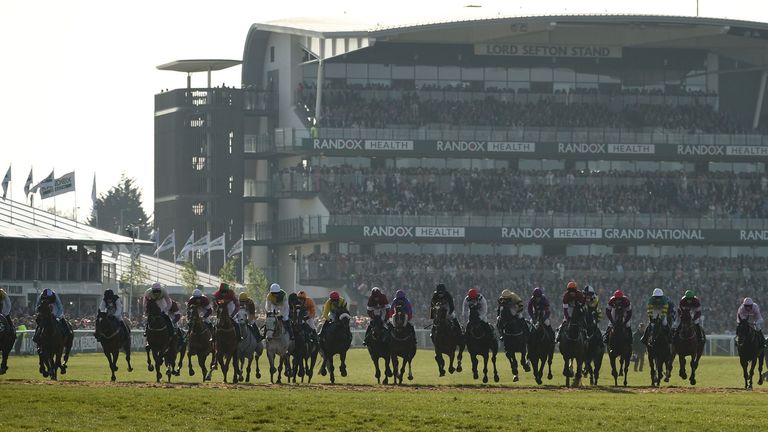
{"x": 200, "y": 65}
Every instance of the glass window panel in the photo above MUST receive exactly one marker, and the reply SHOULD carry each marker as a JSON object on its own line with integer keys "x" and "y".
{"x": 426, "y": 72}
{"x": 357, "y": 70}
{"x": 541, "y": 74}
{"x": 472, "y": 74}
{"x": 532, "y": 250}
{"x": 495, "y": 74}
{"x": 449, "y": 73}
{"x": 385, "y": 248}
{"x": 310, "y": 70}
{"x": 518, "y": 74}
{"x": 565, "y": 75}
{"x": 456, "y": 248}
{"x": 481, "y": 249}
{"x": 403, "y": 72}
{"x": 586, "y": 76}
{"x": 334, "y": 70}
{"x": 495, "y": 85}
{"x": 435, "y": 249}
{"x": 609, "y": 77}
{"x": 563, "y": 87}
{"x": 518, "y": 86}
{"x": 357, "y": 81}
{"x": 420, "y": 83}
{"x": 407, "y": 248}
{"x": 379, "y": 71}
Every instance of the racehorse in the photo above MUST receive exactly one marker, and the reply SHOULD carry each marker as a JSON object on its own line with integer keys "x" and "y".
{"x": 687, "y": 343}
{"x": 573, "y": 346}
{"x": 226, "y": 343}
{"x": 112, "y": 340}
{"x": 336, "y": 339}
{"x": 278, "y": 343}
{"x": 162, "y": 346}
{"x": 401, "y": 344}
{"x": 199, "y": 342}
{"x": 619, "y": 345}
{"x": 54, "y": 345}
{"x": 7, "y": 339}
{"x": 378, "y": 348}
{"x": 660, "y": 353}
{"x": 304, "y": 353}
{"x": 250, "y": 347}
{"x": 593, "y": 360}
{"x": 541, "y": 348}
{"x": 446, "y": 339}
{"x": 480, "y": 339}
{"x": 751, "y": 347}
{"x": 514, "y": 335}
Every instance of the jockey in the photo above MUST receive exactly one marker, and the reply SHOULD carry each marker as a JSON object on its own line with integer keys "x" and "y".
{"x": 310, "y": 307}
{"x": 659, "y": 305}
{"x": 618, "y": 302}
{"x": 175, "y": 313}
{"x": 203, "y": 304}
{"x": 113, "y": 307}
{"x": 402, "y": 301}
{"x": 49, "y": 297}
{"x": 160, "y": 297}
{"x": 442, "y": 297}
{"x": 691, "y": 305}
{"x": 277, "y": 302}
{"x": 378, "y": 307}
{"x": 250, "y": 309}
{"x": 514, "y": 304}
{"x": 5, "y": 310}
{"x": 475, "y": 299}
{"x": 334, "y": 308}
{"x": 538, "y": 304}
{"x": 295, "y": 302}
{"x": 571, "y": 298}
{"x": 225, "y": 297}
{"x": 749, "y": 310}
{"x": 594, "y": 310}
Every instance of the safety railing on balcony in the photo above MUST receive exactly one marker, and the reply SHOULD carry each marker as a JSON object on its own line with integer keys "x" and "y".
{"x": 297, "y": 229}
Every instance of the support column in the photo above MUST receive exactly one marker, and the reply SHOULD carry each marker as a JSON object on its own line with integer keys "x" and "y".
{"x": 759, "y": 106}
{"x": 319, "y": 91}
{"x": 189, "y": 80}
{"x": 209, "y": 77}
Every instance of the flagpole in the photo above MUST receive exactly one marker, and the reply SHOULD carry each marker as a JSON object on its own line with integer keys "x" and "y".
{"x": 75, "y": 204}
{"x": 209, "y": 256}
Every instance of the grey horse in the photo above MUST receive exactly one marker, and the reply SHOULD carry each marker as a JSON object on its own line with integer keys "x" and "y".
{"x": 277, "y": 343}
{"x": 248, "y": 348}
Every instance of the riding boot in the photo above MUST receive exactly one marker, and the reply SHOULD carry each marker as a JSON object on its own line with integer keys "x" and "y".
{"x": 288, "y": 328}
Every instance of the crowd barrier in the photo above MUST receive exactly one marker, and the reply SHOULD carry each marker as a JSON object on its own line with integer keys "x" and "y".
{"x": 719, "y": 345}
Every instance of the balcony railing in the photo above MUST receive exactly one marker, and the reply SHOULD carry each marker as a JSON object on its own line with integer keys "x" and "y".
{"x": 248, "y": 99}
{"x": 298, "y": 229}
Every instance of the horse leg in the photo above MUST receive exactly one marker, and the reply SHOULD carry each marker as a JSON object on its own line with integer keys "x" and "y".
{"x": 248, "y": 369}
{"x": 181, "y": 359}
{"x": 191, "y": 370}
{"x": 458, "y": 359}
{"x": 257, "y": 356}
{"x": 614, "y": 373}
{"x": 513, "y": 364}
{"x": 393, "y": 359}
{"x": 440, "y": 362}
{"x": 494, "y": 352}
{"x": 451, "y": 358}
{"x": 751, "y": 373}
{"x": 524, "y": 358}
{"x": 402, "y": 368}
{"x": 410, "y": 373}
{"x": 343, "y": 366}
{"x": 694, "y": 364}
{"x": 112, "y": 358}
{"x": 329, "y": 366}
{"x": 149, "y": 362}
{"x": 158, "y": 362}
{"x": 377, "y": 373}
{"x": 272, "y": 369}
{"x": 473, "y": 358}
{"x": 682, "y": 372}
{"x": 387, "y": 370}
{"x": 760, "y": 369}
{"x": 549, "y": 364}
{"x": 485, "y": 368}
{"x": 537, "y": 372}
{"x": 108, "y": 355}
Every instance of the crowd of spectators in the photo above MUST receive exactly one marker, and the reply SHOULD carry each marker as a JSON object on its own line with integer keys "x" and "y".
{"x": 348, "y": 109}
{"x": 721, "y": 283}
{"x": 428, "y": 191}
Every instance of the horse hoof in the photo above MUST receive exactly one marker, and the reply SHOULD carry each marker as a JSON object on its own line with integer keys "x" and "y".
{"x": 343, "y": 372}
{"x": 2, "y": 371}
{"x": 515, "y": 378}
{"x": 683, "y": 375}
{"x": 485, "y": 380}
{"x": 538, "y": 380}
{"x": 258, "y": 375}
{"x": 322, "y": 373}
{"x": 410, "y": 377}
{"x": 666, "y": 379}
{"x": 386, "y": 381}
{"x": 45, "y": 374}
{"x": 176, "y": 373}
{"x": 442, "y": 373}
{"x": 549, "y": 376}
{"x": 113, "y": 379}
{"x": 693, "y": 381}
{"x": 495, "y": 378}
{"x": 63, "y": 370}
{"x": 191, "y": 372}
{"x": 458, "y": 369}
{"x": 526, "y": 367}
{"x": 150, "y": 368}
{"x": 451, "y": 370}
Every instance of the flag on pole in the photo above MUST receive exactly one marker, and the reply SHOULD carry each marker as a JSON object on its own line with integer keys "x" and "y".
{"x": 44, "y": 182}
{"x": 28, "y": 184}
{"x": 168, "y": 243}
{"x": 201, "y": 244}
{"x": 216, "y": 244}
{"x": 94, "y": 198}
{"x": 61, "y": 185}
{"x": 6, "y": 180}
{"x": 236, "y": 248}
{"x": 187, "y": 247}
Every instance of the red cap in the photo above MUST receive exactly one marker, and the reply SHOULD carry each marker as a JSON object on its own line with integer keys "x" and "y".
{"x": 334, "y": 295}
{"x": 618, "y": 294}
{"x": 572, "y": 285}
{"x": 472, "y": 294}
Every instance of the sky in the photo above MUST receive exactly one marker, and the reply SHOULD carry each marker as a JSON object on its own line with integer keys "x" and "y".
{"x": 79, "y": 76}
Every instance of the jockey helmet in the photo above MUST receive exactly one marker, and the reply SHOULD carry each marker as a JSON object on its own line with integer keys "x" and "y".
{"x": 589, "y": 290}
{"x": 689, "y": 294}
{"x": 571, "y": 285}
{"x": 47, "y": 293}
{"x": 618, "y": 294}
{"x": 302, "y": 295}
{"x": 748, "y": 302}
{"x": 108, "y": 294}
{"x": 334, "y": 296}
{"x": 472, "y": 294}
{"x": 400, "y": 294}
{"x": 274, "y": 288}
{"x": 242, "y": 297}
{"x": 538, "y": 292}
{"x": 293, "y": 298}
{"x": 223, "y": 286}
{"x": 375, "y": 290}
{"x": 156, "y": 287}
{"x": 440, "y": 288}
{"x": 658, "y": 292}
{"x": 507, "y": 294}
{"x": 197, "y": 293}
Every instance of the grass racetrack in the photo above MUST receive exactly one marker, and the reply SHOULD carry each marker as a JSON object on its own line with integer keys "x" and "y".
{"x": 84, "y": 399}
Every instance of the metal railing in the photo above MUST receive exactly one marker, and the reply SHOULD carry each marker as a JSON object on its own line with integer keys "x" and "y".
{"x": 297, "y": 229}
{"x": 246, "y": 99}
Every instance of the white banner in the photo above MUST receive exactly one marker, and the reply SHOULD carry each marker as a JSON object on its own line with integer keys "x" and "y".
{"x": 61, "y": 185}
{"x": 216, "y": 244}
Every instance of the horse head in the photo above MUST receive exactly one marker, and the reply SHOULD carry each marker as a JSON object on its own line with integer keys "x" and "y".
{"x": 153, "y": 309}
{"x": 399, "y": 319}
{"x": 744, "y": 332}
{"x": 474, "y": 313}
{"x": 439, "y": 314}
{"x": 271, "y": 329}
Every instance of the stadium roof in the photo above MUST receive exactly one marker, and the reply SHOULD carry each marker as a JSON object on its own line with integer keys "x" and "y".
{"x": 18, "y": 220}
{"x": 741, "y": 40}
{"x": 165, "y": 272}
{"x": 201, "y": 65}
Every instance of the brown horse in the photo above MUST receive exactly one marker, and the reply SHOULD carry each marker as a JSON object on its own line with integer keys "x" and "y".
{"x": 199, "y": 342}
{"x": 160, "y": 342}
{"x": 7, "y": 339}
{"x": 54, "y": 343}
{"x": 226, "y": 343}
{"x": 112, "y": 340}
{"x": 687, "y": 343}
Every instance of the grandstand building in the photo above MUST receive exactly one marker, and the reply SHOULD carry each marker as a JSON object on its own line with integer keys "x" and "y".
{"x": 621, "y": 151}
